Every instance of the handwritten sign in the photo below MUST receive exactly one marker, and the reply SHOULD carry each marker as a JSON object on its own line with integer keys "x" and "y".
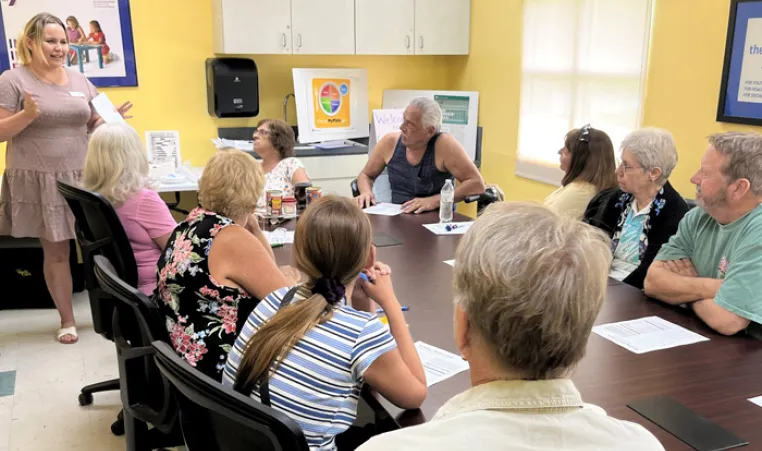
{"x": 384, "y": 121}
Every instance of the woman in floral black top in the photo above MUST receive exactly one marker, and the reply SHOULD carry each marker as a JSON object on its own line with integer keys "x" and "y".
{"x": 217, "y": 264}
{"x": 643, "y": 213}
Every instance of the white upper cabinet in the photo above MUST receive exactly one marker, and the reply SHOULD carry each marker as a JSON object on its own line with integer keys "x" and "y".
{"x": 342, "y": 27}
{"x": 385, "y": 27}
{"x": 442, "y": 27}
{"x": 323, "y": 27}
{"x": 252, "y": 26}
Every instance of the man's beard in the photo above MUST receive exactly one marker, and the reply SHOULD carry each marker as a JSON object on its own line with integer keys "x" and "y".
{"x": 720, "y": 199}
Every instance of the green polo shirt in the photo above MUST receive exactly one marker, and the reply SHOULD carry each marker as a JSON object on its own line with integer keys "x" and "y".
{"x": 732, "y": 252}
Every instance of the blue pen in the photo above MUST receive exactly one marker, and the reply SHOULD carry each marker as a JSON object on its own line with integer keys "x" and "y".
{"x": 405, "y": 308}
{"x": 364, "y": 277}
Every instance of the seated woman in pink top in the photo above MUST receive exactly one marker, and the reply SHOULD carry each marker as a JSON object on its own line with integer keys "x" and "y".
{"x": 117, "y": 168}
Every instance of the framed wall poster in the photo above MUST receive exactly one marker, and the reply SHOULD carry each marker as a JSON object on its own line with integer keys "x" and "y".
{"x": 109, "y": 64}
{"x": 741, "y": 90}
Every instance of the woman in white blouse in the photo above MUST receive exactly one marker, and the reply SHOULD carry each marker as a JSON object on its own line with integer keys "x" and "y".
{"x": 274, "y": 142}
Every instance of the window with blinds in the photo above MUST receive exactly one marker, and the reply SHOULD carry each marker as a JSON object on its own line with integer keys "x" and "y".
{"x": 583, "y": 62}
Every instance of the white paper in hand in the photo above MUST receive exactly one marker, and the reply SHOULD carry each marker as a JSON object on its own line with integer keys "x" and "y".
{"x": 106, "y": 109}
{"x": 383, "y": 209}
{"x": 439, "y": 364}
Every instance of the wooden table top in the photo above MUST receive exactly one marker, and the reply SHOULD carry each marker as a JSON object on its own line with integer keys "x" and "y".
{"x": 713, "y": 378}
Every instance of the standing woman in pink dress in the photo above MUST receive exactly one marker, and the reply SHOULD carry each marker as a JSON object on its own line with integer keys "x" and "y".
{"x": 45, "y": 117}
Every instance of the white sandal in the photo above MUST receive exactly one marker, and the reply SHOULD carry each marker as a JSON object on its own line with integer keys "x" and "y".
{"x": 62, "y": 332}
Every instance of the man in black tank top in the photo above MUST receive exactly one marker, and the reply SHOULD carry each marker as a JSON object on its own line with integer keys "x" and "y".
{"x": 419, "y": 160}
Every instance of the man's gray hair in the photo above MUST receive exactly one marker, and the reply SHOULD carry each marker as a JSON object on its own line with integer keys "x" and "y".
{"x": 653, "y": 148}
{"x": 744, "y": 153}
{"x": 431, "y": 112}
{"x": 532, "y": 283}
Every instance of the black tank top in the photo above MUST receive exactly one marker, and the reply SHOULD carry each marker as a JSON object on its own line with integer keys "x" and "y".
{"x": 422, "y": 180}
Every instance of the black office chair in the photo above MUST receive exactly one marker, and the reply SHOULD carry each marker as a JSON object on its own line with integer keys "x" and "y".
{"x": 691, "y": 203}
{"x": 492, "y": 194}
{"x": 596, "y": 209}
{"x": 216, "y": 418}
{"x": 146, "y": 396}
{"x": 99, "y": 232}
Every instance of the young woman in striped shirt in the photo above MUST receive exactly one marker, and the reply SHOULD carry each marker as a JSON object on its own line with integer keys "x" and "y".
{"x": 304, "y": 351}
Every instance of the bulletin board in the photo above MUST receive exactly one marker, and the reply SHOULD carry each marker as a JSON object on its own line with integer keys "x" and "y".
{"x": 460, "y": 112}
{"x": 741, "y": 91}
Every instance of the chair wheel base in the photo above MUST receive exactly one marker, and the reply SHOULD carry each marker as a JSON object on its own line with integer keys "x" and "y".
{"x": 117, "y": 427}
{"x": 85, "y": 399}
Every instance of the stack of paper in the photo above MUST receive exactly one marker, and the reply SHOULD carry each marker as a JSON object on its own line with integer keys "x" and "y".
{"x": 222, "y": 143}
{"x": 450, "y": 262}
{"x": 647, "y": 334}
{"x": 455, "y": 228}
{"x": 439, "y": 364}
{"x": 331, "y": 145}
{"x": 384, "y": 209}
{"x": 280, "y": 236}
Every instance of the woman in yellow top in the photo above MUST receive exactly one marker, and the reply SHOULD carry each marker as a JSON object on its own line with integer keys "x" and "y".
{"x": 587, "y": 160}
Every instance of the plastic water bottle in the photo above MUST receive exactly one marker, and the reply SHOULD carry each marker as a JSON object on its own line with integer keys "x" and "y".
{"x": 446, "y": 199}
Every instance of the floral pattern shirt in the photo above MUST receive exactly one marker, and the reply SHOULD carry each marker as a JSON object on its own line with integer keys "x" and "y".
{"x": 280, "y": 177}
{"x": 203, "y": 318}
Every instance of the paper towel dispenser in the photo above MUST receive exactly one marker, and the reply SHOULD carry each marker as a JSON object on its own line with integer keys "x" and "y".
{"x": 232, "y": 86}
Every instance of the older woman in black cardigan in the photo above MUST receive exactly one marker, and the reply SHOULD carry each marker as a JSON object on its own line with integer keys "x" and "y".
{"x": 643, "y": 213}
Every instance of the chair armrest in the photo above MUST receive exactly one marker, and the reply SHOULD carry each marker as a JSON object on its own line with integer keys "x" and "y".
{"x": 472, "y": 198}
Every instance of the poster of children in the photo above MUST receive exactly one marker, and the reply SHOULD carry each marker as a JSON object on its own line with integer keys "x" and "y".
{"x": 99, "y": 33}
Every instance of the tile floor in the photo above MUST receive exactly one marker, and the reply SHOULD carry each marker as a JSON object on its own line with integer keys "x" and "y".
{"x": 43, "y": 413}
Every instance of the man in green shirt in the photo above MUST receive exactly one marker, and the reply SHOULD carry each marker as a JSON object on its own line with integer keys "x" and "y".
{"x": 714, "y": 262}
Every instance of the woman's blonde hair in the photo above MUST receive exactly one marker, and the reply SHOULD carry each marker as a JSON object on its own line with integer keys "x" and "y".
{"x": 331, "y": 243}
{"x": 116, "y": 165}
{"x": 34, "y": 31}
{"x": 231, "y": 184}
{"x": 532, "y": 293}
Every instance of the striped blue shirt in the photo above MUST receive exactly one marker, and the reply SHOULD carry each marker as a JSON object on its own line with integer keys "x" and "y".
{"x": 318, "y": 383}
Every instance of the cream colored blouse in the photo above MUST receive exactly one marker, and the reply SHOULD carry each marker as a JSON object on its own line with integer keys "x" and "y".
{"x": 572, "y": 199}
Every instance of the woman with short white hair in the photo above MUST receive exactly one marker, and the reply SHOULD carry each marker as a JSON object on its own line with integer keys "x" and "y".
{"x": 643, "y": 213}
{"x": 117, "y": 168}
{"x": 525, "y": 305}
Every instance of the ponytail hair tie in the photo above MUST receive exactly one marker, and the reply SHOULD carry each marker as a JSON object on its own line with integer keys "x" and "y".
{"x": 331, "y": 289}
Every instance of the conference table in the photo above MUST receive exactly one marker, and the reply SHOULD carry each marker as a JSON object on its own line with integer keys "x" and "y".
{"x": 714, "y": 378}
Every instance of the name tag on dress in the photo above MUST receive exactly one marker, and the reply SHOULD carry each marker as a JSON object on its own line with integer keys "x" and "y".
{"x": 77, "y": 94}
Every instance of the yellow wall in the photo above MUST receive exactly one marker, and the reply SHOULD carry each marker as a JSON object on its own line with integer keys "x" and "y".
{"x": 494, "y": 69}
{"x": 685, "y": 69}
{"x": 687, "y": 51}
{"x": 682, "y": 87}
{"x": 172, "y": 90}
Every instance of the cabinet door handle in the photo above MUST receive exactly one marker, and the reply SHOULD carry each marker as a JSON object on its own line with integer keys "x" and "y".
{"x": 407, "y": 42}
{"x": 283, "y": 40}
{"x": 420, "y": 42}
{"x": 299, "y": 40}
